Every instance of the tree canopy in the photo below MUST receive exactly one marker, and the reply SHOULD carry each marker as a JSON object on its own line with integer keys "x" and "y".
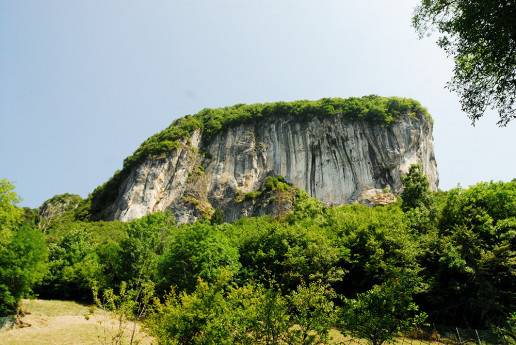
{"x": 22, "y": 251}
{"x": 481, "y": 38}
{"x": 451, "y": 253}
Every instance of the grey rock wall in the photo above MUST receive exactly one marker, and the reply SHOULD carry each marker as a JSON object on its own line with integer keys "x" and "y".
{"x": 335, "y": 160}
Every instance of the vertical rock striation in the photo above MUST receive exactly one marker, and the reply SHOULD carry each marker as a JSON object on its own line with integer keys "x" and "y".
{"x": 333, "y": 159}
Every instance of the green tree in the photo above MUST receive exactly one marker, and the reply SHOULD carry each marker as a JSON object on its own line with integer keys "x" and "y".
{"x": 22, "y": 252}
{"x": 481, "y": 38}
{"x": 418, "y": 202}
{"x": 10, "y": 214}
{"x": 196, "y": 251}
{"x": 289, "y": 254}
{"x": 375, "y": 245}
{"x": 382, "y": 311}
{"x": 73, "y": 267}
{"x": 313, "y": 313}
{"x": 146, "y": 241}
{"x": 416, "y": 189}
{"x": 471, "y": 259}
{"x": 22, "y": 265}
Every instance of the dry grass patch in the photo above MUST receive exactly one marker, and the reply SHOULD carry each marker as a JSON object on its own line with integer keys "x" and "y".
{"x": 55, "y": 308}
{"x": 64, "y": 322}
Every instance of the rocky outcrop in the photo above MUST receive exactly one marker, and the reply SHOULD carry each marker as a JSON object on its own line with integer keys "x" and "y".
{"x": 333, "y": 159}
{"x": 57, "y": 209}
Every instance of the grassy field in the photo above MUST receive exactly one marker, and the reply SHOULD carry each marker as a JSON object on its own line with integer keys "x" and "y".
{"x": 64, "y": 322}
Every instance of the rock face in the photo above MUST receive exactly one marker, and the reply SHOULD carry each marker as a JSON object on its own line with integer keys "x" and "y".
{"x": 334, "y": 159}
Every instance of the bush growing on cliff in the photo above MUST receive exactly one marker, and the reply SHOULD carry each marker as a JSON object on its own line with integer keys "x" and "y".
{"x": 277, "y": 182}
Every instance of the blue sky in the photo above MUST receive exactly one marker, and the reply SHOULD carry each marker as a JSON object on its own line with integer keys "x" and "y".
{"x": 83, "y": 83}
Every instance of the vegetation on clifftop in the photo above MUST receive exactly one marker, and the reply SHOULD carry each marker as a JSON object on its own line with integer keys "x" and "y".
{"x": 375, "y": 109}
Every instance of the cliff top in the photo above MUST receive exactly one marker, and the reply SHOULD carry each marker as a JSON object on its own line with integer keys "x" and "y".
{"x": 375, "y": 109}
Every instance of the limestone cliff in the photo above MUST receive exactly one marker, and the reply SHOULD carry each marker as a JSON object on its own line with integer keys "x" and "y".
{"x": 333, "y": 159}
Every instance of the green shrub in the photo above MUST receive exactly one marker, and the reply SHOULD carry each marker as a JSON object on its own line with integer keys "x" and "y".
{"x": 381, "y": 312}
{"x": 72, "y": 268}
{"x": 22, "y": 264}
{"x": 276, "y": 182}
{"x": 220, "y": 313}
{"x": 22, "y": 252}
{"x": 288, "y": 254}
{"x": 251, "y": 195}
{"x": 199, "y": 250}
{"x": 269, "y": 184}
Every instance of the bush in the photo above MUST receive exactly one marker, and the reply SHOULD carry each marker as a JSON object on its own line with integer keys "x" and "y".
{"x": 22, "y": 265}
{"x": 382, "y": 311}
{"x": 199, "y": 318}
{"x": 22, "y": 252}
{"x": 196, "y": 251}
{"x": 250, "y": 196}
{"x": 73, "y": 268}
{"x": 218, "y": 313}
{"x": 288, "y": 255}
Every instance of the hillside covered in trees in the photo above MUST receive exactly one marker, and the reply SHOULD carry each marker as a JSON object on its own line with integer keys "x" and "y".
{"x": 452, "y": 254}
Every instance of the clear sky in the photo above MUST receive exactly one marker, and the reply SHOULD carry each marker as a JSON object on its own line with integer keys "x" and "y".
{"x": 83, "y": 83}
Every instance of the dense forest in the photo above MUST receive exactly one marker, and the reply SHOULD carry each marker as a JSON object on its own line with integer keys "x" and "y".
{"x": 429, "y": 259}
